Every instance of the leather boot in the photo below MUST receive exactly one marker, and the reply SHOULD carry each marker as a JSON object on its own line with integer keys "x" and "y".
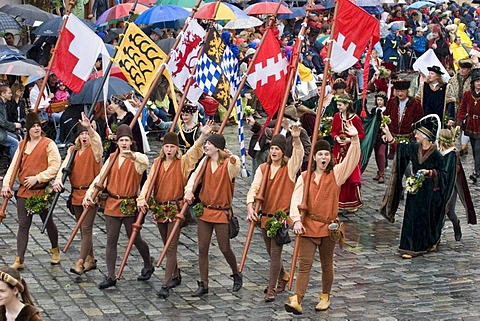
{"x": 202, "y": 289}
{"x": 381, "y": 178}
{"x": 90, "y": 264}
{"x": 324, "y": 302}
{"x": 176, "y": 280}
{"x": 282, "y": 283}
{"x": 270, "y": 295}
{"x": 78, "y": 268}
{"x": 164, "y": 292}
{"x": 107, "y": 283}
{"x": 237, "y": 282}
{"x": 55, "y": 256}
{"x": 458, "y": 231}
{"x": 293, "y": 306}
{"x": 17, "y": 264}
{"x": 377, "y": 177}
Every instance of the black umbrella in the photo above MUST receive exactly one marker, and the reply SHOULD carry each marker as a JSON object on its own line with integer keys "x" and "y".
{"x": 50, "y": 28}
{"x": 87, "y": 94}
{"x": 27, "y": 12}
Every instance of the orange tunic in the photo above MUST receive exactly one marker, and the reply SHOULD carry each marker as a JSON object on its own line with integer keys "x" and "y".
{"x": 323, "y": 202}
{"x": 32, "y": 164}
{"x": 278, "y": 193}
{"x": 122, "y": 182}
{"x": 84, "y": 170}
{"x": 217, "y": 190}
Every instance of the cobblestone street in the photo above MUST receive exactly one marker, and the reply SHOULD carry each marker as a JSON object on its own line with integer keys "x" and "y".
{"x": 372, "y": 281}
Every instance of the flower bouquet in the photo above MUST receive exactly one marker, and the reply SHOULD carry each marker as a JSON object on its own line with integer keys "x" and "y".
{"x": 165, "y": 212}
{"x": 248, "y": 111}
{"x": 151, "y": 105}
{"x": 414, "y": 183}
{"x": 386, "y": 120}
{"x": 382, "y": 71}
{"x": 128, "y": 206}
{"x": 275, "y": 223}
{"x": 326, "y": 126}
{"x": 38, "y": 204}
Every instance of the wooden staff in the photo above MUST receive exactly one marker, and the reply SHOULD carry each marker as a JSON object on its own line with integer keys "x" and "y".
{"x": 260, "y": 197}
{"x": 303, "y": 207}
{"x": 23, "y": 144}
{"x": 67, "y": 170}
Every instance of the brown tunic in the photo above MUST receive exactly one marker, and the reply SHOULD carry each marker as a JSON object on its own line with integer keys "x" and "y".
{"x": 217, "y": 190}
{"x": 278, "y": 193}
{"x": 322, "y": 202}
{"x": 28, "y": 313}
{"x": 123, "y": 182}
{"x": 32, "y": 164}
{"x": 84, "y": 170}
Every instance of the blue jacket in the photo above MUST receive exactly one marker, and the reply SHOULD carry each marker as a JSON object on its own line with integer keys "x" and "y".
{"x": 390, "y": 47}
{"x": 419, "y": 44}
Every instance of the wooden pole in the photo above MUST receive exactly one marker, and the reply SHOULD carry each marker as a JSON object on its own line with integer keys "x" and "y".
{"x": 303, "y": 207}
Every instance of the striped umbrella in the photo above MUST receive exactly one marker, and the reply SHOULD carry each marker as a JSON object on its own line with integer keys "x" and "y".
{"x": 225, "y": 11}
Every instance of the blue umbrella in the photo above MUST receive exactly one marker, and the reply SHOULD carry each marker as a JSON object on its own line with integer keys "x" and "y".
{"x": 162, "y": 13}
{"x": 51, "y": 27}
{"x": 420, "y": 5}
{"x": 328, "y": 4}
{"x": 89, "y": 90}
{"x": 297, "y": 12}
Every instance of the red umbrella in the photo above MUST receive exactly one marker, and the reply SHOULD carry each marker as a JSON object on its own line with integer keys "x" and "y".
{"x": 145, "y": 2}
{"x": 317, "y": 7}
{"x": 266, "y": 8}
{"x": 118, "y": 12}
{"x": 114, "y": 72}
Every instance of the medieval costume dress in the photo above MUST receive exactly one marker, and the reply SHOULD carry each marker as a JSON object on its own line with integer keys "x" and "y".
{"x": 422, "y": 221}
{"x": 350, "y": 192}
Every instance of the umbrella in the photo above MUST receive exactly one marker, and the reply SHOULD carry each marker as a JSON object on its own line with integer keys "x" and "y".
{"x": 162, "y": 13}
{"x": 317, "y": 7}
{"x": 249, "y": 22}
{"x": 23, "y": 67}
{"x": 266, "y": 8}
{"x": 6, "y": 51}
{"x": 27, "y": 12}
{"x": 144, "y": 2}
{"x": 114, "y": 72}
{"x": 181, "y": 3}
{"x": 7, "y": 22}
{"x": 297, "y": 12}
{"x": 327, "y": 4}
{"x": 420, "y": 5}
{"x": 89, "y": 90}
{"x": 225, "y": 11}
{"x": 51, "y": 27}
{"x": 119, "y": 12}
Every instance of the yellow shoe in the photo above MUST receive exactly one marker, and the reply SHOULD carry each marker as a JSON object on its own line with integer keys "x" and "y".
{"x": 78, "y": 268}
{"x": 90, "y": 264}
{"x": 324, "y": 302}
{"x": 17, "y": 265}
{"x": 293, "y": 306}
{"x": 406, "y": 256}
{"x": 55, "y": 256}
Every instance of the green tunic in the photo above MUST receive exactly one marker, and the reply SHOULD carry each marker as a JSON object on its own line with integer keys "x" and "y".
{"x": 424, "y": 211}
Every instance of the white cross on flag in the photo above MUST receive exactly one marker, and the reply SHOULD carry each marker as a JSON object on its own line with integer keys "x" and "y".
{"x": 354, "y": 29}
{"x": 268, "y": 76}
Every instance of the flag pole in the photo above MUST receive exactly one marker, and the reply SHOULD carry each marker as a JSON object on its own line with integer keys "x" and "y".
{"x": 137, "y": 225}
{"x": 23, "y": 144}
{"x": 260, "y": 197}
{"x": 67, "y": 170}
{"x": 303, "y": 207}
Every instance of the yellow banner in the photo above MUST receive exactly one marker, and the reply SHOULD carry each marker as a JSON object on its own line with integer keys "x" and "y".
{"x": 139, "y": 58}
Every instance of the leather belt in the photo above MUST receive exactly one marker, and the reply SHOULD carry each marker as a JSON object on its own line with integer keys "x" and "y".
{"x": 118, "y": 197}
{"x": 80, "y": 187}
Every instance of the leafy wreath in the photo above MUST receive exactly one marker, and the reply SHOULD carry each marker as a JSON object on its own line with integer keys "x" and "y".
{"x": 128, "y": 206}
{"x": 198, "y": 210}
{"x": 275, "y": 223}
{"x": 38, "y": 204}
{"x": 165, "y": 212}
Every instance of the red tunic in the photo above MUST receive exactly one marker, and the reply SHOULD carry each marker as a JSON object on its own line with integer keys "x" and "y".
{"x": 469, "y": 109}
{"x": 412, "y": 113}
{"x": 350, "y": 191}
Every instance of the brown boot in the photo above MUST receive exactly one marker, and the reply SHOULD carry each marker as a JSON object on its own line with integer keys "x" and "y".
{"x": 377, "y": 177}
{"x": 55, "y": 256}
{"x": 270, "y": 295}
{"x": 78, "y": 268}
{"x": 282, "y": 283}
{"x": 90, "y": 264}
{"x": 17, "y": 265}
{"x": 381, "y": 178}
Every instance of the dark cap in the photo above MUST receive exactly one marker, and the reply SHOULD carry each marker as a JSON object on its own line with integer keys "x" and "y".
{"x": 124, "y": 130}
{"x": 321, "y": 145}
{"x": 31, "y": 119}
{"x": 170, "y": 138}
{"x": 401, "y": 84}
{"x": 81, "y": 129}
{"x": 217, "y": 140}
{"x": 280, "y": 141}
{"x": 475, "y": 75}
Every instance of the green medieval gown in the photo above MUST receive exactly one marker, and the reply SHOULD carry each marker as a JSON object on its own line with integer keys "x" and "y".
{"x": 424, "y": 211}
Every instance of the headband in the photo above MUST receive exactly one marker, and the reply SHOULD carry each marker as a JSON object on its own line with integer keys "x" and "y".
{"x": 117, "y": 101}
{"x": 344, "y": 100}
{"x": 7, "y": 278}
{"x": 445, "y": 139}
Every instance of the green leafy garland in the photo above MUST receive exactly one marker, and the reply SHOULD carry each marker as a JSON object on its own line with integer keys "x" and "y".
{"x": 38, "y": 204}
{"x": 108, "y": 142}
{"x": 165, "y": 212}
{"x": 128, "y": 206}
{"x": 275, "y": 223}
{"x": 198, "y": 210}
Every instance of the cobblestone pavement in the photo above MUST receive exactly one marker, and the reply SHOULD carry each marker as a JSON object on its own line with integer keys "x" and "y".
{"x": 371, "y": 282}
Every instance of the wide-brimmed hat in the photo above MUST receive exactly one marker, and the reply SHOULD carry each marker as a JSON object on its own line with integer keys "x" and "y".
{"x": 436, "y": 69}
{"x": 291, "y": 113}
